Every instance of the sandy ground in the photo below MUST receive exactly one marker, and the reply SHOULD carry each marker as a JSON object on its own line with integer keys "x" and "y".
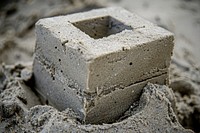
{"x": 20, "y": 113}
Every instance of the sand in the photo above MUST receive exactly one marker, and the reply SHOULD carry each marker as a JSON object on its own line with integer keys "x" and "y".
{"x": 21, "y": 110}
{"x": 160, "y": 108}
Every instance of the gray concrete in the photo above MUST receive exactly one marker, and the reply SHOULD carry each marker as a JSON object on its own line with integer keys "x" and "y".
{"x": 86, "y": 59}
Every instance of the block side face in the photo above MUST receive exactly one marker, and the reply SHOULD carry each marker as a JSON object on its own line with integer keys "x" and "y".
{"x": 60, "y": 71}
{"x": 126, "y": 67}
{"x": 67, "y": 60}
{"x": 55, "y": 91}
{"x": 112, "y": 106}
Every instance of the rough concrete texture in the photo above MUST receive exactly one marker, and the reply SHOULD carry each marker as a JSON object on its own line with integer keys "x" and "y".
{"x": 85, "y": 60}
{"x": 151, "y": 113}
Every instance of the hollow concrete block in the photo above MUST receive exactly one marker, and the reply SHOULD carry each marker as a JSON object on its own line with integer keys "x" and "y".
{"x": 97, "y": 62}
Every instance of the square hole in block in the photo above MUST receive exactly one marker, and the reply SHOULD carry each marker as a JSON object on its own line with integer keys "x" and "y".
{"x": 101, "y": 27}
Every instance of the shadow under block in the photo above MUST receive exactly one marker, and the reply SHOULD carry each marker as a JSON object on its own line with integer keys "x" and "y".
{"x": 97, "y": 62}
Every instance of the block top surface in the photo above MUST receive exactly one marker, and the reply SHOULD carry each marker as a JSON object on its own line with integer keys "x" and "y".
{"x": 102, "y": 31}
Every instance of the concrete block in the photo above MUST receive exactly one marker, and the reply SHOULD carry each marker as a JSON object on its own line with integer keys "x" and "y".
{"x": 97, "y": 62}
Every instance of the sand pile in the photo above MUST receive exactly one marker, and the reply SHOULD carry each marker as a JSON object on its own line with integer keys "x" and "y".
{"x": 21, "y": 110}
